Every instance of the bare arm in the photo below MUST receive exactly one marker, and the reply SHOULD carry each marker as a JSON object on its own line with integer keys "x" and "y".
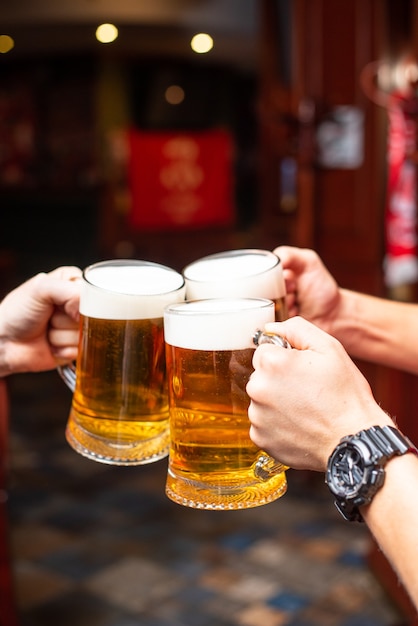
{"x": 371, "y": 328}
{"x": 393, "y": 519}
{"x": 378, "y": 330}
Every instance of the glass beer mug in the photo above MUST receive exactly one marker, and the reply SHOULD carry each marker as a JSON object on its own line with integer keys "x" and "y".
{"x": 213, "y": 464}
{"x": 246, "y": 273}
{"x": 119, "y": 412}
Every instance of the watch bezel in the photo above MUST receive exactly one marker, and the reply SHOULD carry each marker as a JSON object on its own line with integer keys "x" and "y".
{"x": 366, "y": 462}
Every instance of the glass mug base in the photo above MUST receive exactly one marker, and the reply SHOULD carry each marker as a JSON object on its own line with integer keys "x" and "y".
{"x": 224, "y": 497}
{"x": 115, "y": 452}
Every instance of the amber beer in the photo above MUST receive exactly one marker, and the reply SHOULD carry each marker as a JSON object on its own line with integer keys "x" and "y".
{"x": 247, "y": 273}
{"x": 119, "y": 411}
{"x": 209, "y": 350}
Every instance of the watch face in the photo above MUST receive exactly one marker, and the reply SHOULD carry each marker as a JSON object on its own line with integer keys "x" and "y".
{"x": 346, "y": 471}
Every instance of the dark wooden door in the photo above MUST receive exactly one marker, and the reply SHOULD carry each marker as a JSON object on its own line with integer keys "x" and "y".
{"x": 306, "y": 81}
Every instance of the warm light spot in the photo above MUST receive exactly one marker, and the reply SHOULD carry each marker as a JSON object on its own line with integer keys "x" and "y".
{"x": 174, "y": 94}
{"x": 201, "y": 43}
{"x": 384, "y": 76}
{"x": 6, "y": 43}
{"x": 106, "y": 33}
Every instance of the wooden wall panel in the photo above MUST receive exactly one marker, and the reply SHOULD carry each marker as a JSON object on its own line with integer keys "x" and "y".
{"x": 339, "y": 211}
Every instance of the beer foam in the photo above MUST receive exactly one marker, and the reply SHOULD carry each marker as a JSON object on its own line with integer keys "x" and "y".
{"x": 131, "y": 291}
{"x": 239, "y": 274}
{"x": 218, "y": 324}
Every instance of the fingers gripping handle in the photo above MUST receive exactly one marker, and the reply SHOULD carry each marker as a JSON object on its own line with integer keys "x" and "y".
{"x": 266, "y": 466}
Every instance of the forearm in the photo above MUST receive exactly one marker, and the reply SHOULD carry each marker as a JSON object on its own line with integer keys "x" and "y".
{"x": 17, "y": 357}
{"x": 9, "y": 352}
{"x": 378, "y": 330}
{"x": 4, "y": 362}
{"x": 392, "y": 518}
{"x": 17, "y": 353}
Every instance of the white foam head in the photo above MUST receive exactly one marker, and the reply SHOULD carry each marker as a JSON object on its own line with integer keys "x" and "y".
{"x": 129, "y": 289}
{"x": 248, "y": 273}
{"x": 218, "y": 324}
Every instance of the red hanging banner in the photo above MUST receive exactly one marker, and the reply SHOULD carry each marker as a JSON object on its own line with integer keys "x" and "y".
{"x": 401, "y": 262}
{"x": 180, "y": 180}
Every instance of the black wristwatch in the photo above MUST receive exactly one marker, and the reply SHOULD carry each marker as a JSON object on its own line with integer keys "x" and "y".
{"x": 356, "y": 467}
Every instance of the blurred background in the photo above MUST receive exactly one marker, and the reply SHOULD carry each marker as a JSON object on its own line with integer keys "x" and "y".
{"x": 281, "y": 124}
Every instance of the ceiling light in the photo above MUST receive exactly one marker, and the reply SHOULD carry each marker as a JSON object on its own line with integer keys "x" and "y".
{"x": 6, "y": 43}
{"x": 201, "y": 43}
{"x": 106, "y": 33}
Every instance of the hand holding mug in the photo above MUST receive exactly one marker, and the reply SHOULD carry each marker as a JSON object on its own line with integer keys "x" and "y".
{"x": 311, "y": 290}
{"x": 305, "y": 399}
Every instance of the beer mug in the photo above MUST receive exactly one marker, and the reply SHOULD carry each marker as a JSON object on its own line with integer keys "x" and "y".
{"x": 213, "y": 464}
{"x": 119, "y": 412}
{"x": 247, "y": 273}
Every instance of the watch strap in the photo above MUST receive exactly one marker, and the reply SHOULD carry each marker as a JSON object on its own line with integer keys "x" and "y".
{"x": 389, "y": 441}
{"x": 349, "y": 510}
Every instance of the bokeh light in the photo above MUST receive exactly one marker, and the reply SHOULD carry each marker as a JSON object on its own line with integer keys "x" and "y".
{"x": 201, "y": 43}
{"x": 6, "y": 43}
{"x": 106, "y": 33}
{"x": 174, "y": 94}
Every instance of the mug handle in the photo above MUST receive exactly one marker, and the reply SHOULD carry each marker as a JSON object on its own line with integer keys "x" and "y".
{"x": 261, "y": 337}
{"x": 67, "y": 373}
{"x": 266, "y": 466}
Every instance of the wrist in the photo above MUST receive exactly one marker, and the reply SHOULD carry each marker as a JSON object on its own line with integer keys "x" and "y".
{"x": 372, "y": 415}
{"x": 356, "y": 467}
{"x": 395, "y": 471}
{"x": 344, "y": 325}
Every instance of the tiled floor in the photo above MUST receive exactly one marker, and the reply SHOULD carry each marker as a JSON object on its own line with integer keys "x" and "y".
{"x": 95, "y": 545}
